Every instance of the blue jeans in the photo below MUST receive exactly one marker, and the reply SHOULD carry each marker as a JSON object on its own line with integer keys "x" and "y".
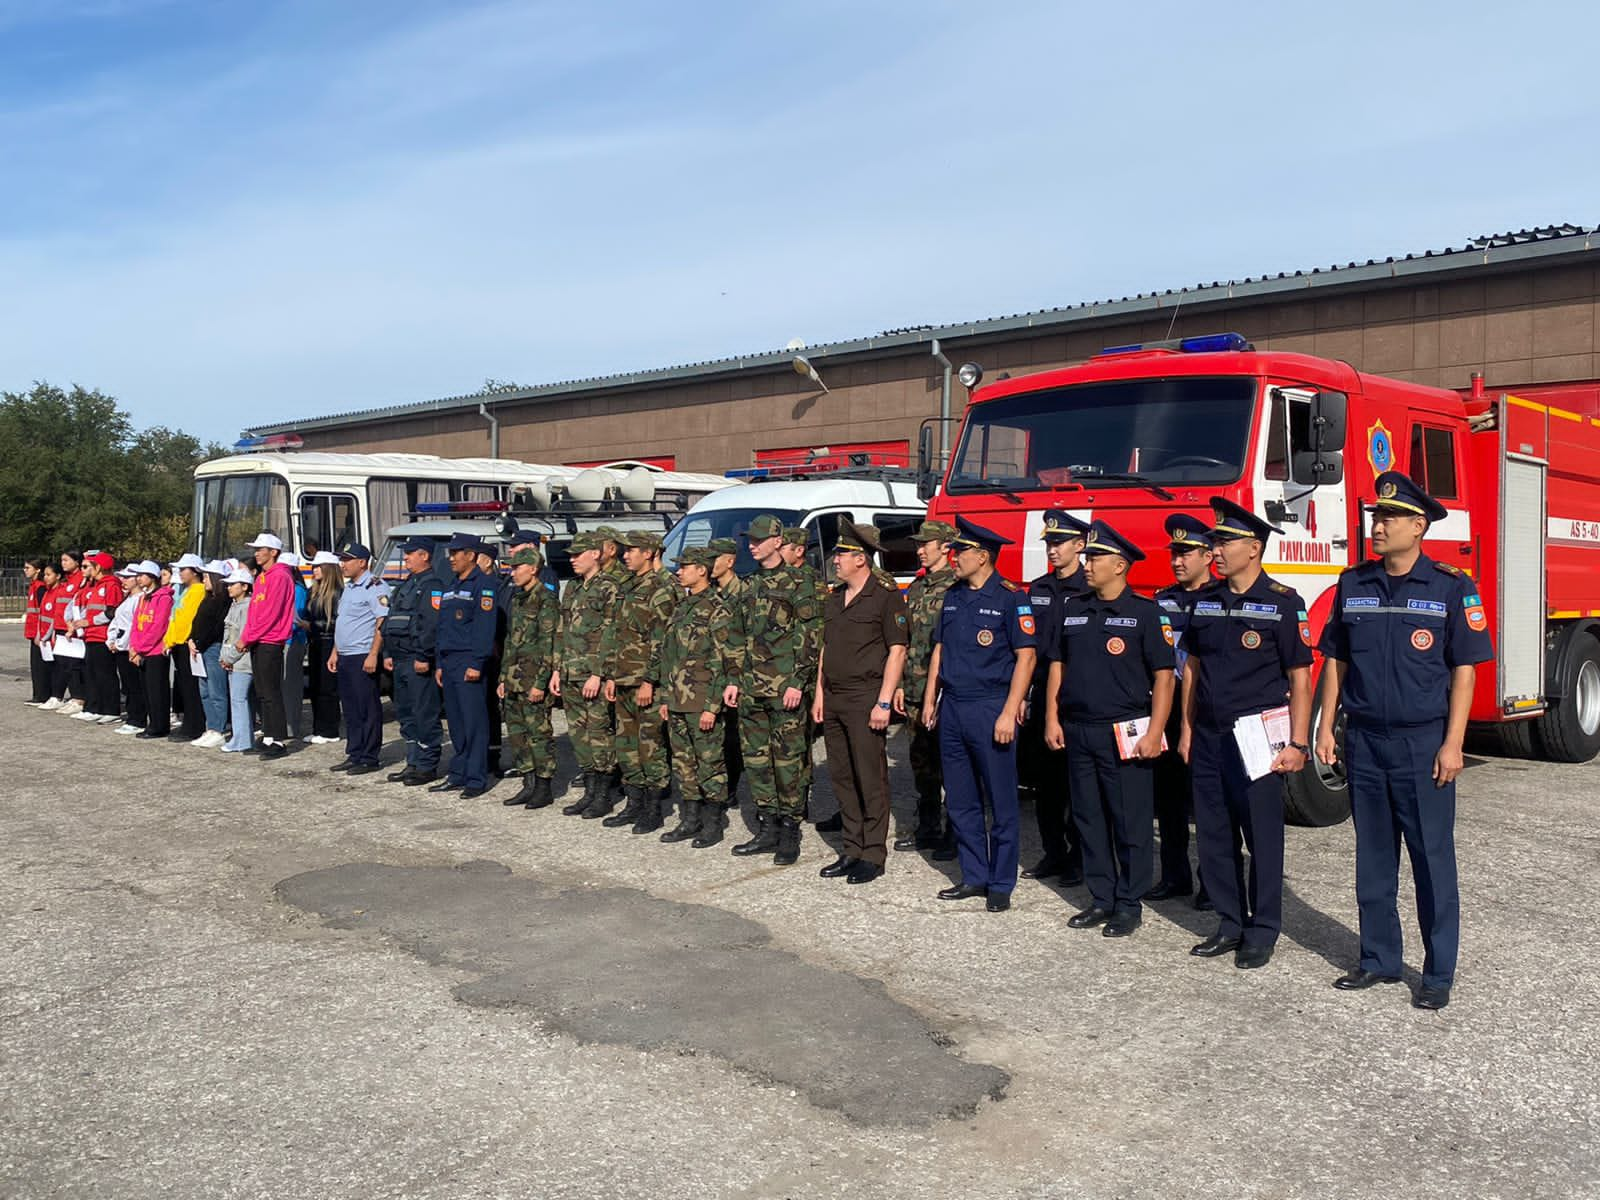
{"x": 214, "y": 689}
{"x": 239, "y": 703}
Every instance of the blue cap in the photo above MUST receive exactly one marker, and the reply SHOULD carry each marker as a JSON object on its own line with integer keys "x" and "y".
{"x": 1396, "y": 491}
{"x": 1103, "y": 539}
{"x": 412, "y": 545}
{"x": 1059, "y": 525}
{"x": 355, "y": 550}
{"x": 1187, "y": 533}
{"x": 467, "y": 541}
{"x": 1234, "y": 521}
{"x": 976, "y": 536}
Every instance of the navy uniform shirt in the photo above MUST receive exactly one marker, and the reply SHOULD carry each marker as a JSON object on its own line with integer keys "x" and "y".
{"x": 1110, "y": 651}
{"x": 1402, "y": 635}
{"x": 1049, "y": 594}
{"x": 1246, "y": 645}
{"x": 1177, "y": 602}
{"x": 414, "y": 616}
{"x": 363, "y": 605}
{"x": 979, "y": 633}
{"x": 468, "y": 614}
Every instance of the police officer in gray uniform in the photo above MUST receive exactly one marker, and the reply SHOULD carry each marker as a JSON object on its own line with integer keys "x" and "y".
{"x": 408, "y": 644}
{"x": 357, "y": 657}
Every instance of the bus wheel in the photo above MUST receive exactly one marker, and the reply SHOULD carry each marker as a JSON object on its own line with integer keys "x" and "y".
{"x": 1570, "y": 730}
{"x": 1318, "y": 795}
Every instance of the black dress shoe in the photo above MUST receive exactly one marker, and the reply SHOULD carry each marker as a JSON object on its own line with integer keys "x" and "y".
{"x": 1122, "y": 924}
{"x": 946, "y": 852}
{"x": 1167, "y": 891}
{"x": 275, "y": 750}
{"x": 1215, "y": 946}
{"x": 864, "y": 872}
{"x": 1357, "y": 980}
{"x": 831, "y": 824}
{"x": 839, "y": 866}
{"x": 998, "y": 901}
{"x": 472, "y": 793}
{"x": 1070, "y": 877}
{"x": 960, "y": 891}
{"x": 918, "y": 841}
{"x": 1431, "y": 997}
{"x": 1047, "y": 867}
{"x": 346, "y": 765}
{"x": 401, "y": 776}
{"x": 1250, "y": 957}
{"x": 362, "y": 769}
{"x": 148, "y": 736}
{"x": 1202, "y": 902}
{"x": 418, "y": 778}
{"x": 446, "y": 786}
{"x": 1088, "y": 918}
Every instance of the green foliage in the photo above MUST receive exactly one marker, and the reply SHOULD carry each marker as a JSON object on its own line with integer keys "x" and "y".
{"x": 75, "y": 474}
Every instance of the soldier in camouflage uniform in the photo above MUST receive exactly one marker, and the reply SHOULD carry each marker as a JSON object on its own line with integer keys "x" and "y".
{"x": 700, "y": 666}
{"x": 924, "y": 600}
{"x": 796, "y": 542}
{"x": 783, "y": 626}
{"x": 587, "y": 608}
{"x": 611, "y": 567}
{"x": 631, "y": 649}
{"x": 725, "y": 552}
{"x": 525, "y": 673}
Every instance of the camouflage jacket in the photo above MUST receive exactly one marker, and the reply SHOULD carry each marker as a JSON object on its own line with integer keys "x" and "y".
{"x": 782, "y": 613}
{"x": 587, "y": 609}
{"x": 631, "y": 644}
{"x": 701, "y": 653}
{"x": 924, "y": 601}
{"x": 734, "y": 588}
{"x": 530, "y": 653}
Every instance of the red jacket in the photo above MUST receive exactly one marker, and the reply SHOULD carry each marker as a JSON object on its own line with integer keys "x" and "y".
{"x": 53, "y": 610}
{"x": 100, "y": 600}
{"x": 32, "y": 626}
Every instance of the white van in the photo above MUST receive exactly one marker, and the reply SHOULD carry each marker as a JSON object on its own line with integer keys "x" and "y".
{"x": 881, "y": 496}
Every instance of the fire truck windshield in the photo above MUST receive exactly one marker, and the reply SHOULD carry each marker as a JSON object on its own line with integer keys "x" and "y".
{"x": 1126, "y": 433}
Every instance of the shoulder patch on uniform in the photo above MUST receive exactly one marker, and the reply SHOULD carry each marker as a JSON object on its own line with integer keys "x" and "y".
{"x": 1280, "y": 587}
{"x": 1009, "y": 586}
{"x": 1447, "y": 568}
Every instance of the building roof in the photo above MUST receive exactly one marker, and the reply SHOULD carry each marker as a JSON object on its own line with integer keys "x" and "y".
{"x": 1503, "y": 251}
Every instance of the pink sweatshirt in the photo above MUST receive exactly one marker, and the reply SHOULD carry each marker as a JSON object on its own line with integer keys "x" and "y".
{"x": 271, "y": 616}
{"x": 150, "y": 617}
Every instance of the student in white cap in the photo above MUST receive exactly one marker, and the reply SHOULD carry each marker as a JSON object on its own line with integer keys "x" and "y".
{"x": 205, "y": 641}
{"x": 235, "y": 663}
{"x": 134, "y": 711}
{"x": 267, "y": 630}
{"x": 294, "y": 651}
{"x": 147, "y": 649}
{"x": 188, "y": 591}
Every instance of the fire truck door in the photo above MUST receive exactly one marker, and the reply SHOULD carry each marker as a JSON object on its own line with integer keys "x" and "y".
{"x": 1315, "y": 544}
{"x": 1435, "y": 464}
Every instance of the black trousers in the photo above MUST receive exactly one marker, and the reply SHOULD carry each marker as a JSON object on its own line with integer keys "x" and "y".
{"x": 1045, "y": 772}
{"x": 154, "y": 670}
{"x": 1112, "y": 802}
{"x": 362, "y": 702}
{"x": 132, "y": 683}
{"x": 324, "y": 687}
{"x": 188, "y": 693}
{"x": 39, "y": 673}
{"x": 491, "y": 681}
{"x": 266, "y": 664}
{"x": 100, "y": 674}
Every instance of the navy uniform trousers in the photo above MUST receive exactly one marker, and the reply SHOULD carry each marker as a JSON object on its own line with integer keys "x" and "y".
{"x": 467, "y": 710}
{"x": 1113, "y": 806}
{"x": 1227, "y": 803}
{"x": 1393, "y": 797}
{"x": 361, "y": 699}
{"x": 417, "y": 704}
{"x": 976, "y": 767}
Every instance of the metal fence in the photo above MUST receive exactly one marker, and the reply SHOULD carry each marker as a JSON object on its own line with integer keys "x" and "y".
{"x": 13, "y": 587}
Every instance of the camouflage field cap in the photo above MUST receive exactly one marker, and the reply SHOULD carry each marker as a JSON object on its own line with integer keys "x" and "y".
{"x": 698, "y": 556}
{"x": 526, "y": 557}
{"x": 640, "y": 539}
{"x": 763, "y": 527}
{"x": 934, "y": 531}
{"x": 722, "y": 546}
{"x": 586, "y": 541}
{"x": 607, "y": 533}
{"x": 795, "y": 536}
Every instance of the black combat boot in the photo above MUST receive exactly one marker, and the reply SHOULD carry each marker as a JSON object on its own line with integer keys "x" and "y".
{"x": 788, "y": 852}
{"x": 765, "y": 840}
{"x": 591, "y": 787}
{"x": 616, "y": 785}
{"x": 688, "y": 822}
{"x": 650, "y": 805}
{"x": 630, "y": 811}
{"x": 543, "y": 794}
{"x": 604, "y": 801}
{"x": 522, "y": 794}
{"x": 713, "y": 820}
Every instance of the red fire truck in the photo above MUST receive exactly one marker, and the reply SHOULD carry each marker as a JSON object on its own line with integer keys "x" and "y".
{"x": 1141, "y": 431}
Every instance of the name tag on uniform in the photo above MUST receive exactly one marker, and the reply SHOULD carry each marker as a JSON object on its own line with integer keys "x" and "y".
{"x": 1427, "y": 606}
{"x": 1069, "y": 621}
{"x": 991, "y": 612}
{"x": 1042, "y": 601}
{"x": 1123, "y": 622}
{"x": 1260, "y": 610}
{"x": 1358, "y": 602}
{"x": 1169, "y": 604}
{"x": 1208, "y": 608}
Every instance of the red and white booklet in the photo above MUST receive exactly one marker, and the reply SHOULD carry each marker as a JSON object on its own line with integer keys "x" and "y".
{"x": 1128, "y": 734}
{"x": 1260, "y": 736}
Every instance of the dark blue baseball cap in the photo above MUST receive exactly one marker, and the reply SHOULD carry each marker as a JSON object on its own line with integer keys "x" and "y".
{"x": 467, "y": 541}
{"x": 355, "y": 550}
{"x": 417, "y": 544}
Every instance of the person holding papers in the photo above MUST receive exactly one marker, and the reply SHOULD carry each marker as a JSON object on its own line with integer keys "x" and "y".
{"x": 1246, "y": 721}
{"x": 1402, "y": 646}
{"x": 1109, "y": 691}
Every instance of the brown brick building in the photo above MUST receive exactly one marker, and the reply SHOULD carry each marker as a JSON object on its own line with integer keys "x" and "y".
{"x": 1523, "y": 309}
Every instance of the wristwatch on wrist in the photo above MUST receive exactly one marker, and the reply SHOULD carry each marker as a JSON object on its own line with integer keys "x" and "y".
{"x": 1304, "y": 749}
{"x": 883, "y": 704}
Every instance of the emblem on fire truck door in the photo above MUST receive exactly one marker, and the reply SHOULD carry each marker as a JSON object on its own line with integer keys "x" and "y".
{"x": 1380, "y": 448}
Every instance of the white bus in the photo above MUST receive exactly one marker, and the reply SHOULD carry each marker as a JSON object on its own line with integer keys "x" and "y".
{"x": 323, "y": 501}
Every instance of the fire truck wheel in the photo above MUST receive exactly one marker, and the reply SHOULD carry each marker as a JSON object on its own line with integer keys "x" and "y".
{"x": 1517, "y": 739}
{"x": 1318, "y": 795}
{"x": 1570, "y": 731}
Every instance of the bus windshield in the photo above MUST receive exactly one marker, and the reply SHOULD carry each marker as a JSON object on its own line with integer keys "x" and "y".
{"x": 231, "y": 510}
{"x": 701, "y": 525}
{"x": 1120, "y": 434}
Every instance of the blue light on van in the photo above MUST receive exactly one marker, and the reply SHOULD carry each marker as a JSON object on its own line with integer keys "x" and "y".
{"x": 1205, "y": 343}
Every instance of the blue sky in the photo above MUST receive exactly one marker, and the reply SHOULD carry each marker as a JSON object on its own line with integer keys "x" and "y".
{"x": 234, "y": 212}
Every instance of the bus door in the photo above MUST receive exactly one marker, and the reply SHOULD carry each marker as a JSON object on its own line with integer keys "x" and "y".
{"x": 328, "y": 521}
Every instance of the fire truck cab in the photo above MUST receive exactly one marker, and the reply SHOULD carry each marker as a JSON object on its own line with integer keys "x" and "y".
{"x": 1141, "y": 431}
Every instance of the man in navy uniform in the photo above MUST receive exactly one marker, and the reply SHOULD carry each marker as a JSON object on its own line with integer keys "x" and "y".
{"x": 983, "y": 654}
{"x": 468, "y": 618}
{"x": 1190, "y": 549}
{"x": 1402, "y": 645}
{"x": 1111, "y": 666}
{"x": 1249, "y": 653}
{"x": 408, "y": 638}
{"x": 1043, "y": 771}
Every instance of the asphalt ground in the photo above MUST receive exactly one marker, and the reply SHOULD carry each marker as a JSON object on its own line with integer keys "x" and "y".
{"x": 227, "y": 977}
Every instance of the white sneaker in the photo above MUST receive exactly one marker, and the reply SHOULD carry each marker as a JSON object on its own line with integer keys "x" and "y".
{"x": 211, "y": 740}
{"x": 34, "y": 703}
{"x": 309, "y": 739}
{"x": 71, "y": 708}
{"x": 126, "y": 729}
{"x": 86, "y": 716}
{"x": 51, "y": 704}
{"x": 110, "y": 720}
{"x": 319, "y": 740}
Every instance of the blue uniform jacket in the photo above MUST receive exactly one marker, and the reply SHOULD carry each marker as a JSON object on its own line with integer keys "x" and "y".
{"x": 1402, "y": 635}
{"x": 979, "y": 633}
{"x": 1110, "y": 651}
{"x": 468, "y": 616}
{"x": 1246, "y": 645}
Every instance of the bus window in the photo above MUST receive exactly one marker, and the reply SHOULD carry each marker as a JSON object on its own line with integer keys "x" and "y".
{"x": 327, "y": 521}
{"x": 245, "y": 506}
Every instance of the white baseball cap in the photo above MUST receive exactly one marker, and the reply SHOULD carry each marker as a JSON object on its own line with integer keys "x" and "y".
{"x": 217, "y": 567}
{"x": 239, "y": 575}
{"x": 325, "y": 558}
{"x": 193, "y": 561}
{"x": 289, "y": 558}
{"x": 147, "y": 568}
{"x": 128, "y": 571}
{"x": 266, "y": 541}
